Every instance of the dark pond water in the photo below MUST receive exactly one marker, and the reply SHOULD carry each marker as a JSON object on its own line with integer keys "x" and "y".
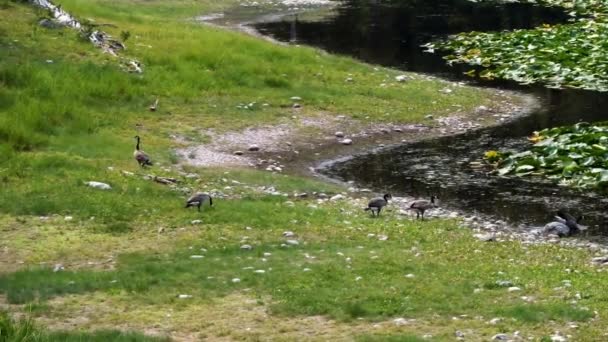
{"x": 390, "y": 33}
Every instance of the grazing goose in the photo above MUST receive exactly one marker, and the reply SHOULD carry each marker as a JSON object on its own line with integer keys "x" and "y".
{"x": 198, "y": 199}
{"x": 376, "y": 204}
{"x": 422, "y": 205}
{"x": 564, "y": 225}
{"x": 142, "y": 158}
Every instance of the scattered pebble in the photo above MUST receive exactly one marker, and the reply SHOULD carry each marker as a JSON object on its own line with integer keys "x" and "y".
{"x": 184, "y": 296}
{"x": 197, "y": 256}
{"x": 58, "y": 267}
{"x": 253, "y": 148}
{"x": 246, "y": 247}
{"x": 346, "y": 142}
{"x": 259, "y": 271}
{"x": 288, "y": 233}
{"x": 236, "y": 280}
{"x": 500, "y": 337}
{"x": 98, "y": 185}
{"x": 292, "y": 242}
{"x": 410, "y": 275}
{"x": 339, "y": 134}
{"x": 337, "y": 197}
{"x": 514, "y": 289}
{"x": 194, "y": 222}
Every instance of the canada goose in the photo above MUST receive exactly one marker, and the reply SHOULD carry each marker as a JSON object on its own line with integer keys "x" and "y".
{"x": 422, "y": 205}
{"x": 197, "y": 200}
{"x": 376, "y": 204}
{"x": 564, "y": 225}
{"x": 141, "y": 156}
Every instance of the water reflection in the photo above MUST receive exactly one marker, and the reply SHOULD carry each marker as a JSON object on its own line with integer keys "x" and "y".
{"x": 391, "y": 32}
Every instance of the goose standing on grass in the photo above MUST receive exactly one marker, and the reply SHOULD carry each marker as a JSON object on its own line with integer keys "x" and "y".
{"x": 376, "y": 204}
{"x": 564, "y": 225}
{"x": 198, "y": 199}
{"x": 142, "y": 158}
{"x": 423, "y": 205}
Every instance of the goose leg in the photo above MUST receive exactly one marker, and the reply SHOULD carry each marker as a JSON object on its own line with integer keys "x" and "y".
{"x": 199, "y": 207}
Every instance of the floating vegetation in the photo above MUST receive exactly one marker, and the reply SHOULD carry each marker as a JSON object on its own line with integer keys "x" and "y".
{"x": 573, "y": 55}
{"x": 572, "y": 155}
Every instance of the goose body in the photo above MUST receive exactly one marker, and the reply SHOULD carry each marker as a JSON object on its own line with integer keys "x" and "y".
{"x": 140, "y": 156}
{"x": 198, "y": 199}
{"x": 376, "y": 204}
{"x": 564, "y": 225}
{"x": 420, "y": 206}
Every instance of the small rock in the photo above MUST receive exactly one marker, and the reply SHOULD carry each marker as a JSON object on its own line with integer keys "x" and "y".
{"x": 504, "y": 283}
{"x": 197, "y": 256}
{"x": 58, "y": 267}
{"x": 349, "y": 80}
{"x": 98, "y": 185}
{"x": 358, "y": 278}
{"x": 289, "y": 204}
{"x": 339, "y": 134}
{"x": 253, "y": 148}
{"x": 259, "y": 271}
{"x": 429, "y": 117}
{"x": 337, "y": 197}
{"x": 246, "y": 247}
{"x": 236, "y": 280}
{"x": 288, "y": 234}
{"x": 486, "y": 237}
{"x": 410, "y": 275}
{"x": 382, "y": 237}
{"x": 295, "y": 98}
{"x": 184, "y": 296}
{"x": 194, "y": 222}
{"x": 292, "y": 242}
{"x": 238, "y": 153}
{"x": 306, "y": 270}
{"x": 346, "y": 142}
{"x": 68, "y": 218}
{"x": 401, "y": 78}
{"x": 500, "y": 337}
{"x": 514, "y": 289}
{"x": 495, "y": 321}
{"x": 459, "y": 334}
{"x": 400, "y": 321}
{"x": 49, "y": 24}
{"x": 558, "y": 338}
{"x": 296, "y": 106}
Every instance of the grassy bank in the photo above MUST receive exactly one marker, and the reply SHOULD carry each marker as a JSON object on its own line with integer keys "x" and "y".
{"x": 68, "y": 114}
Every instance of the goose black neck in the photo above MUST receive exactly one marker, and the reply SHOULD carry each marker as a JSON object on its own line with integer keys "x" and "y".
{"x": 137, "y": 146}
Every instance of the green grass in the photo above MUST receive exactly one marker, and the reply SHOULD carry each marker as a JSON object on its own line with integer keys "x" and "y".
{"x": 24, "y": 330}
{"x": 72, "y": 120}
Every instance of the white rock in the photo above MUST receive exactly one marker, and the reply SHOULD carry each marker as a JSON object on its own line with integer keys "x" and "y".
{"x": 295, "y": 98}
{"x": 346, "y": 142}
{"x": 382, "y": 237}
{"x": 68, "y": 218}
{"x": 236, "y": 280}
{"x": 358, "y": 278}
{"x": 184, "y": 296}
{"x": 401, "y": 78}
{"x": 289, "y": 204}
{"x": 288, "y": 233}
{"x": 196, "y": 222}
{"x": 292, "y": 242}
{"x": 98, "y": 185}
{"x": 246, "y": 247}
{"x": 197, "y": 256}
{"x": 337, "y": 197}
{"x": 58, "y": 267}
{"x": 514, "y": 289}
{"x": 400, "y": 321}
{"x": 259, "y": 271}
{"x": 339, "y": 134}
{"x": 410, "y": 275}
{"x": 495, "y": 321}
{"x": 253, "y": 148}
{"x": 558, "y": 338}
{"x": 306, "y": 270}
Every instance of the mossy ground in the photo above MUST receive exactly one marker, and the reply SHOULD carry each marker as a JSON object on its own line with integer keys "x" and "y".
{"x": 68, "y": 115}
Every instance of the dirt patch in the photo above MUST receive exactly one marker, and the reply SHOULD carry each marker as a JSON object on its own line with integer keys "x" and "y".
{"x": 301, "y": 142}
